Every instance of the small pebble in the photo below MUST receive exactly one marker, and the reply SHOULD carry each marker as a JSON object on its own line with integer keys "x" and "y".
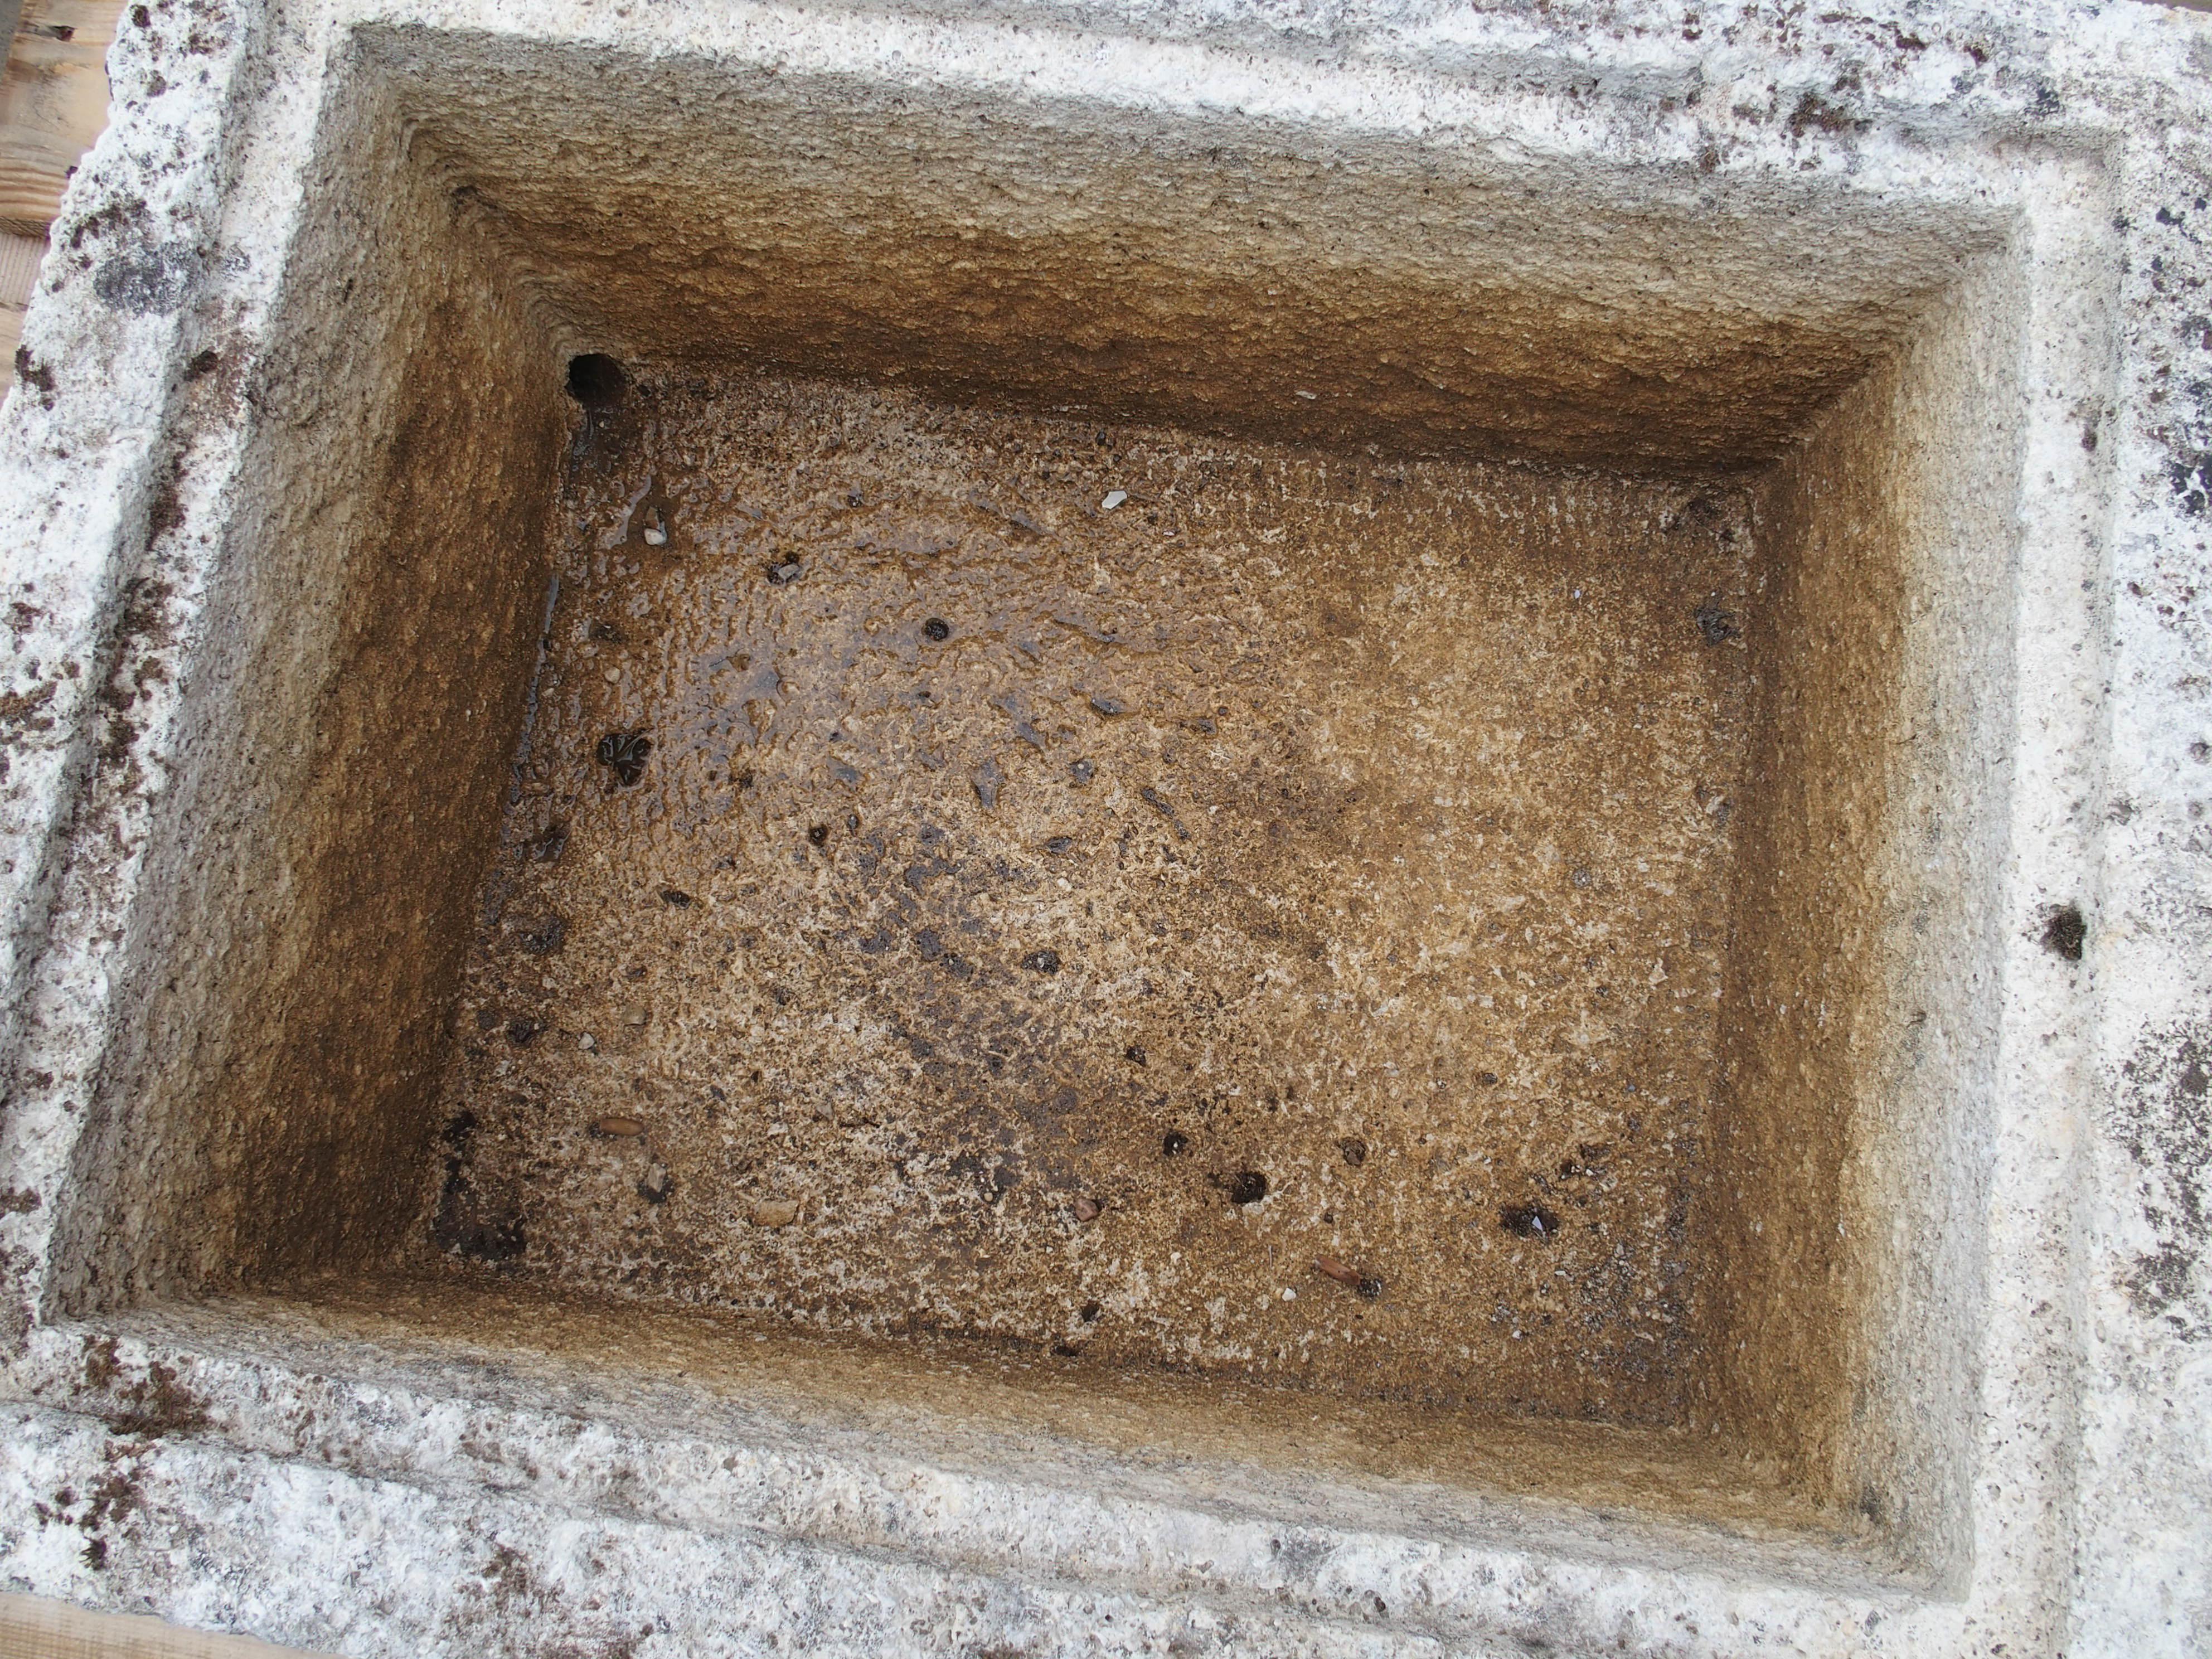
{"x": 783, "y": 572}
{"x": 619, "y": 1128}
{"x": 1086, "y": 1209}
{"x": 1716, "y": 625}
{"x": 626, "y": 752}
{"x": 775, "y": 1212}
{"x": 1109, "y": 706}
{"x": 587, "y": 1042}
{"x": 1114, "y": 499}
{"x": 634, "y": 1016}
{"x": 1528, "y": 1221}
{"x": 1288, "y": 1295}
{"x": 989, "y": 780}
{"x": 612, "y": 676}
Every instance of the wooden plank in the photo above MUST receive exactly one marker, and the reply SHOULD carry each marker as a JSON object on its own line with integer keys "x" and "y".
{"x": 32, "y": 1628}
{"x": 53, "y": 103}
{"x": 19, "y": 274}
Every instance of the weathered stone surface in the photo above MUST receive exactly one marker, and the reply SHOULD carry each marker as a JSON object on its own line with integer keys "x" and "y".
{"x": 389, "y": 1269}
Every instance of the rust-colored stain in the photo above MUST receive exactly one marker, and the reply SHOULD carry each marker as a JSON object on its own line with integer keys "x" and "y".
{"x": 1273, "y": 924}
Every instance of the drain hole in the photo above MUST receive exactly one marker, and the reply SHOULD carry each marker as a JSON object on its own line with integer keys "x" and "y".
{"x": 596, "y": 380}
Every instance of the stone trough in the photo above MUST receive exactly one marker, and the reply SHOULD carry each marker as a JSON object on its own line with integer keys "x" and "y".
{"x": 1113, "y": 829}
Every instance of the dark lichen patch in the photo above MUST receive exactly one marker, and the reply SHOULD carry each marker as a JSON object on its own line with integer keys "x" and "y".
{"x": 19, "y": 710}
{"x": 150, "y": 280}
{"x": 38, "y": 376}
{"x": 2065, "y": 932}
{"x": 165, "y": 510}
{"x": 2163, "y": 1117}
{"x": 144, "y": 630}
{"x": 1814, "y": 113}
{"x": 144, "y": 1403}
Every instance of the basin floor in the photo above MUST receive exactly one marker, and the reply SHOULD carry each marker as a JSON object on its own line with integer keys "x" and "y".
{"x": 1270, "y": 925}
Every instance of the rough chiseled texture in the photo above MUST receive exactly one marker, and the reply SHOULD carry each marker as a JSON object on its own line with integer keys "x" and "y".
{"x": 1360, "y": 826}
{"x": 274, "y": 476}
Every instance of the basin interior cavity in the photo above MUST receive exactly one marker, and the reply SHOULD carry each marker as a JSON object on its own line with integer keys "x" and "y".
{"x": 1303, "y": 859}
{"x": 1466, "y": 888}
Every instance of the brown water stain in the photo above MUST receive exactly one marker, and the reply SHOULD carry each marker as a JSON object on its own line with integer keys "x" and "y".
{"x": 1331, "y": 804}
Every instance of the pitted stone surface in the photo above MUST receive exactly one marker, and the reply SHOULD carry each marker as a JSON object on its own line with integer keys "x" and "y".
{"x": 1921, "y": 287}
{"x": 1365, "y": 827}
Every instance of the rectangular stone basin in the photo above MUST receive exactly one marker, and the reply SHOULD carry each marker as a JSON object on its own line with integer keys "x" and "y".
{"x": 1156, "y": 802}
